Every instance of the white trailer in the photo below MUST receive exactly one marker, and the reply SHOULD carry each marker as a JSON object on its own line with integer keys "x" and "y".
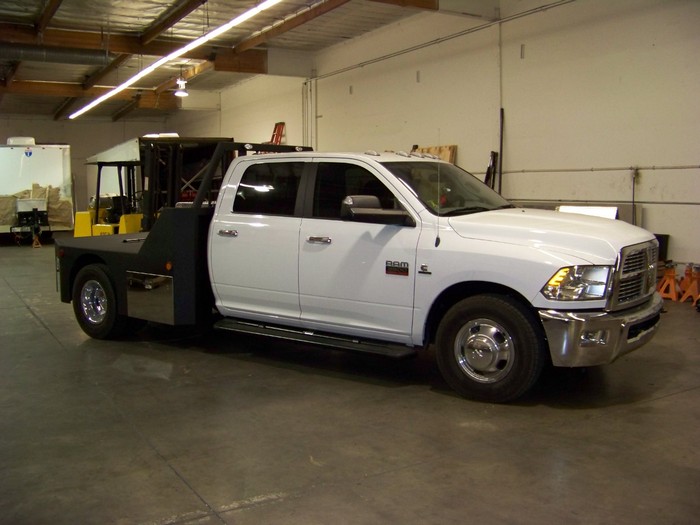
{"x": 35, "y": 177}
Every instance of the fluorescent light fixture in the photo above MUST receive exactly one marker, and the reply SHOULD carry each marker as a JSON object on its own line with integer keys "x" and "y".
{"x": 178, "y": 53}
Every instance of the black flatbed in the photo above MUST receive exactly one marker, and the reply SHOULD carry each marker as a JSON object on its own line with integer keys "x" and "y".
{"x": 176, "y": 248}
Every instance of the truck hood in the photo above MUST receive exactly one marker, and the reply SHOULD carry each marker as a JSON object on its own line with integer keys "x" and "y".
{"x": 596, "y": 240}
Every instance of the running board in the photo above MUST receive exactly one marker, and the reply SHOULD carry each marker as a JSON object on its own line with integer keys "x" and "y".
{"x": 311, "y": 337}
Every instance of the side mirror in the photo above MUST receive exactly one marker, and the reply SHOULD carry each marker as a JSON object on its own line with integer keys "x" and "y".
{"x": 367, "y": 208}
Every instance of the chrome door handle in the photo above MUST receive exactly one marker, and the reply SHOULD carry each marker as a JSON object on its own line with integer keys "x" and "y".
{"x": 228, "y": 233}
{"x": 318, "y": 240}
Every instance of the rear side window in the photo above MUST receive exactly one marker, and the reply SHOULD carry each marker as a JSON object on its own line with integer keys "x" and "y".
{"x": 337, "y": 180}
{"x": 269, "y": 188}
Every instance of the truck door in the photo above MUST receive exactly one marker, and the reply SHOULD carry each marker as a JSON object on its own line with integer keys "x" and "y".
{"x": 254, "y": 243}
{"x": 356, "y": 278}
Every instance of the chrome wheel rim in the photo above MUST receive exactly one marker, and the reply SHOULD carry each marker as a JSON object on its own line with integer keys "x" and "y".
{"x": 483, "y": 350}
{"x": 93, "y": 302}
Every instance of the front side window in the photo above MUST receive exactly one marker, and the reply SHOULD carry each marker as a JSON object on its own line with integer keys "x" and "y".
{"x": 445, "y": 189}
{"x": 269, "y": 188}
{"x": 337, "y": 180}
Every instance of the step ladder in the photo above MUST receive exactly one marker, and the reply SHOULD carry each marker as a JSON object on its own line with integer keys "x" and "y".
{"x": 277, "y": 134}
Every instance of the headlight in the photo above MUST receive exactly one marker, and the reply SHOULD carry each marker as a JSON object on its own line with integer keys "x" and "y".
{"x": 578, "y": 283}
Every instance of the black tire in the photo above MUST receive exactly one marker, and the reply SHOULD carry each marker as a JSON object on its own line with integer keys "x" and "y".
{"x": 95, "y": 303}
{"x": 490, "y": 348}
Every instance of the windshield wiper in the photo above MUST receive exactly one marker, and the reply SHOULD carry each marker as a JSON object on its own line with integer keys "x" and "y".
{"x": 466, "y": 210}
{"x": 474, "y": 209}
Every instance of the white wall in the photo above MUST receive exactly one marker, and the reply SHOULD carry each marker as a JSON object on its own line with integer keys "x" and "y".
{"x": 590, "y": 90}
{"x": 85, "y": 137}
{"x": 445, "y": 94}
{"x": 249, "y": 111}
{"x": 595, "y": 85}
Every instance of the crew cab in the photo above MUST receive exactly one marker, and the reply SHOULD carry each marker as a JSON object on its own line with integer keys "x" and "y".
{"x": 383, "y": 253}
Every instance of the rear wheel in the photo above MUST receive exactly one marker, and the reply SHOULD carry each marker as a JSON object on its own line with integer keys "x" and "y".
{"x": 95, "y": 303}
{"x": 490, "y": 347}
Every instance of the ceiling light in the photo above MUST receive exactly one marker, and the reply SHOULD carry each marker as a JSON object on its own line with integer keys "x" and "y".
{"x": 181, "y": 91}
{"x": 178, "y": 53}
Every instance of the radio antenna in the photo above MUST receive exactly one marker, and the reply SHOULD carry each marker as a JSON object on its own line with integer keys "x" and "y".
{"x": 437, "y": 233}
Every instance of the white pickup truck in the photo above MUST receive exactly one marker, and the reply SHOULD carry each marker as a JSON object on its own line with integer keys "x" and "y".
{"x": 383, "y": 253}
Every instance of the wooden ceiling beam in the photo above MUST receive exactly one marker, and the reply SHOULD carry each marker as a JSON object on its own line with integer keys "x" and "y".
{"x": 146, "y": 45}
{"x": 9, "y": 74}
{"x": 169, "y": 20}
{"x": 150, "y": 34}
{"x": 162, "y": 101}
{"x": 59, "y": 89}
{"x": 431, "y": 5}
{"x": 289, "y": 24}
{"x": 126, "y": 109}
{"x": 98, "y": 75}
{"x": 46, "y": 16}
{"x": 64, "y": 107}
{"x": 317, "y": 11}
{"x": 187, "y": 74}
{"x": 67, "y": 90}
{"x": 120, "y": 44}
{"x": 252, "y": 61}
{"x": 147, "y": 100}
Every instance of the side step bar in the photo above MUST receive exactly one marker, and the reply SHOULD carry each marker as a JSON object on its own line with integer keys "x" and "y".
{"x": 311, "y": 337}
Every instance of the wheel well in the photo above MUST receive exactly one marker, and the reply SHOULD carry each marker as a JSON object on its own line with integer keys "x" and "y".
{"x": 459, "y": 291}
{"x": 80, "y": 263}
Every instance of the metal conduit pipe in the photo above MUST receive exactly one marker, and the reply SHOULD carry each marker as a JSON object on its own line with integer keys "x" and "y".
{"x": 598, "y": 169}
{"x": 86, "y": 57}
{"x": 442, "y": 39}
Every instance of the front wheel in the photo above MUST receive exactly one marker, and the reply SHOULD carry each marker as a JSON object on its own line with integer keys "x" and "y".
{"x": 490, "y": 347}
{"x": 95, "y": 303}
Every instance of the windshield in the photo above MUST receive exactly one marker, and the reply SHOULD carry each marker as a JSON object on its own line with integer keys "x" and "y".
{"x": 445, "y": 189}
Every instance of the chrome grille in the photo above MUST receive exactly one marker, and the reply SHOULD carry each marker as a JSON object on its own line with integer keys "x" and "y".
{"x": 635, "y": 262}
{"x": 629, "y": 290}
{"x": 635, "y": 278}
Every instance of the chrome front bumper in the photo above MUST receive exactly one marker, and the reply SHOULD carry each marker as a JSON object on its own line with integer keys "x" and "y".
{"x": 597, "y": 338}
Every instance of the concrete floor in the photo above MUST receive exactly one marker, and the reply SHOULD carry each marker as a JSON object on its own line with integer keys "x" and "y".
{"x": 171, "y": 427}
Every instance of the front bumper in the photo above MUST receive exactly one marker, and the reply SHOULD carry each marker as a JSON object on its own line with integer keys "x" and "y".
{"x": 597, "y": 338}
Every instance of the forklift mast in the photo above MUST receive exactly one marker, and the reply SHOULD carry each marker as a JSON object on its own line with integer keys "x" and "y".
{"x": 172, "y": 169}
{"x": 165, "y": 172}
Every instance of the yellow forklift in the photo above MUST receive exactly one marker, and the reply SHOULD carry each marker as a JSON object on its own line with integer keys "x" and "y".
{"x": 111, "y": 214}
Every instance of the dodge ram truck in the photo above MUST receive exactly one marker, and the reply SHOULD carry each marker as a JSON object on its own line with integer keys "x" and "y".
{"x": 381, "y": 253}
